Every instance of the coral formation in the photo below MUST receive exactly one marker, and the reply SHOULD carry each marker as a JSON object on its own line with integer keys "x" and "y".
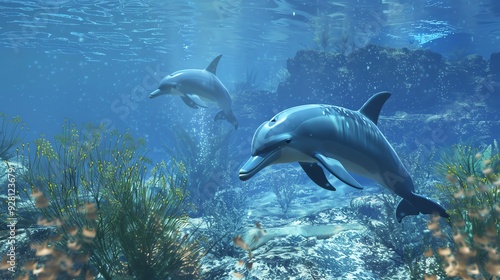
{"x": 220, "y": 226}
{"x": 416, "y": 75}
{"x": 443, "y": 99}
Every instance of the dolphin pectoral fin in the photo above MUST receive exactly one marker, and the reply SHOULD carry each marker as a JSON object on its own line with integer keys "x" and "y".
{"x": 189, "y": 102}
{"x": 404, "y": 209}
{"x": 220, "y": 115}
{"x": 196, "y": 100}
{"x": 336, "y": 168}
{"x": 317, "y": 175}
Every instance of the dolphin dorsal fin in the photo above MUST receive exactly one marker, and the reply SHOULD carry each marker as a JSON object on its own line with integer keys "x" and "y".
{"x": 371, "y": 108}
{"x": 212, "y": 68}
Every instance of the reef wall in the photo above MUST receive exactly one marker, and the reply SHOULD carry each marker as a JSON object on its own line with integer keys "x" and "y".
{"x": 429, "y": 90}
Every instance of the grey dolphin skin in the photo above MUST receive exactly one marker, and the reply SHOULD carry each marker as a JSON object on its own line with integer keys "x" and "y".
{"x": 340, "y": 140}
{"x": 196, "y": 87}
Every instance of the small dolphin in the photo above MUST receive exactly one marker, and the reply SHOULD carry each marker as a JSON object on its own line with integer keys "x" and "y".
{"x": 198, "y": 86}
{"x": 338, "y": 139}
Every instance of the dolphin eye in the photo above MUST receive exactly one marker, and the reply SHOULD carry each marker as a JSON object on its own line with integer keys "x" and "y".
{"x": 288, "y": 140}
{"x": 273, "y": 120}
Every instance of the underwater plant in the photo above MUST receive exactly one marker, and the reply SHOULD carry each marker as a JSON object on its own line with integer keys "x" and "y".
{"x": 137, "y": 225}
{"x": 58, "y": 253}
{"x": 248, "y": 85}
{"x": 402, "y": 238}
{"x": 221, "y": 225}
{"x": 284, "y": 186}
{"x": 203, "y": 158}
{"x": 10, "y": 134}
{"x": 343, "y": 44}
{"x": 472, "y": 185}
{"x": 331, "y": 35}
{"x": 322, "y": 31}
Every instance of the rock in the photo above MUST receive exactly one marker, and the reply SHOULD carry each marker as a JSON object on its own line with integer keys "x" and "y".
{"x": 256, "y": 238}
{"x": 303, "y": 249}
{"x": 421, "y": 79}
{"x": 371, "y": 207}
{"x": 494, "y": 63}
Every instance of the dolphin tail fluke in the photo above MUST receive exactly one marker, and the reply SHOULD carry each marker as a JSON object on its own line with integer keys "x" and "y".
{"x": 221, "y": 115}
{"x": 404, "y": 209}
{"x": 421, "y": 204}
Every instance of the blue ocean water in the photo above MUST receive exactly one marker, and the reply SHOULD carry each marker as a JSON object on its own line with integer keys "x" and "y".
{"x": 82, "y": 60}
{"x": 98, "y": 61}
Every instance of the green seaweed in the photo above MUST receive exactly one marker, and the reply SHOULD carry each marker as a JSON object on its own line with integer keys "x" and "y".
{"x": 473, "y": 189}
{"x": 94, "y": 182}
{"x": 11, "y": 133}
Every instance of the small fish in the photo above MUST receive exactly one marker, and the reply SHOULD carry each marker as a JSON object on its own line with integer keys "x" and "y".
{"x": 72, "y": 230}
{"x": 76, "y": 273}
{"x": 42, "y": 249}
{"x": 433, "y": 225}
{"x": 73, "y": 245}
{"x": 88, "y": 232}
{"x": 238, "y": 241}
{"x": 238, "y": 275}
{"x": 29, "y": 265}
{"x": 444, "y": 251}
{"x": 41, "y": 201}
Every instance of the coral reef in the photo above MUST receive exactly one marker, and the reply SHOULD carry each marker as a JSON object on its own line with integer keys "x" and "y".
{"x": 418, "y": 76}
{"x": 434, "y": 101}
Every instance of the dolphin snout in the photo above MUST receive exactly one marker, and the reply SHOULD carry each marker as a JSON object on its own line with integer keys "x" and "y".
{"x": 155, "y": 93}
{"x": 244, "y": 176}
{"x": 257, "y": 163}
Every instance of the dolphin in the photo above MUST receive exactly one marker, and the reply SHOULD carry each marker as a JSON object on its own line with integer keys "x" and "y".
{"x": 196, "y": 87}
{"x": 341, "y": 141}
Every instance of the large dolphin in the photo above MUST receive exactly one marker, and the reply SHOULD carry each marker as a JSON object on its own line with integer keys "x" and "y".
{"x": 340, "y": 140}
{"x": 198, "y": 86}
